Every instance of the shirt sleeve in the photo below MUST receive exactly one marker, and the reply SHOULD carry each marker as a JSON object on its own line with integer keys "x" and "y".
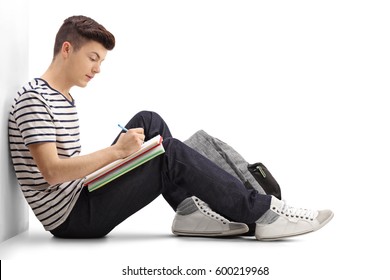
{"x": 34, "y": 119}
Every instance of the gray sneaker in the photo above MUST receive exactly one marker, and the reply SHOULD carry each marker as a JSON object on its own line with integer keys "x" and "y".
{"x": 282, "y": 221}
{"x": 195, "y": 218}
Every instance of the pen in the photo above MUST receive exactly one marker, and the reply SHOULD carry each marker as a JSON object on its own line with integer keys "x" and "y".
{"x": 123, "y": 128}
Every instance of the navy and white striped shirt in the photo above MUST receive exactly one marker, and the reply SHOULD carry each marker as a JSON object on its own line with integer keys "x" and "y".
{"x": 42, "y": 114}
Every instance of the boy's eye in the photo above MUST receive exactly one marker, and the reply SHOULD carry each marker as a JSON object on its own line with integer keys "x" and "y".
{"x": 93, "y": 59}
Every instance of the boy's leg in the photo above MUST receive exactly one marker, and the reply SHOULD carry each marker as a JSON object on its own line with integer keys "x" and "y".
{"x": 180, "y": 173}
{"x": 188, "y": 173}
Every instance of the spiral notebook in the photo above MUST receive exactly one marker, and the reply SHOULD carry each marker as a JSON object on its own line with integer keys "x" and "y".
{"x": 149, "y": 150}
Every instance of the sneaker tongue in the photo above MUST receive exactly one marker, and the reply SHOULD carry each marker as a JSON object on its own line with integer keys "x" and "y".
{"x": 300, "y": 212}
{"x": 203, "y": 206}
{"x": 293, "y": 211}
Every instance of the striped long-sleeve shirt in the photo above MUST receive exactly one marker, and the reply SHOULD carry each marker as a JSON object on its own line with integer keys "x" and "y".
{"x": 42, "y": 114}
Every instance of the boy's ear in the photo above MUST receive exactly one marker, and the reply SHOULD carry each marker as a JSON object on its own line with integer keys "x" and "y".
{"x": 66, "y": 48}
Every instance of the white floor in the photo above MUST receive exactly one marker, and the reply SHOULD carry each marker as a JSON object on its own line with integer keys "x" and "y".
{"x": 144, "y": 241}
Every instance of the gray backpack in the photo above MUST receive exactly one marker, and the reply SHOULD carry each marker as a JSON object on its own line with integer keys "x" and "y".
{"x": 254, "y": 176}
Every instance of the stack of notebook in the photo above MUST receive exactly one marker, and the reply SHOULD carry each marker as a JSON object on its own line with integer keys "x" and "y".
{"x": 149, "y": 150}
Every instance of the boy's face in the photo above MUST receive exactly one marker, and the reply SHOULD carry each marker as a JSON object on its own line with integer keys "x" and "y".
{"x": 84, "y": 64}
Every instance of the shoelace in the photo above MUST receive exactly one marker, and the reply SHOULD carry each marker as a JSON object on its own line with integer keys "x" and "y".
{"x": 207, "y": 210}
{"x": 301, "y": 213}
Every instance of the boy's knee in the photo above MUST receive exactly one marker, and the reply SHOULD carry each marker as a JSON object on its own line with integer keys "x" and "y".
{"x": 147, "y": 114}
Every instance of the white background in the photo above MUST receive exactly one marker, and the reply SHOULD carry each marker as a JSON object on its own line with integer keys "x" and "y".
{"x": 300, "y": 85}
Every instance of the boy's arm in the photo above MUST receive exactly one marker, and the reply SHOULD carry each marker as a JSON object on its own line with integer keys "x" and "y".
{"x": 57, "y": 170}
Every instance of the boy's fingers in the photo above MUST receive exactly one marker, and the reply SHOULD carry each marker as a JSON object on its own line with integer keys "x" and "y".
{"x": 138, "y": 130}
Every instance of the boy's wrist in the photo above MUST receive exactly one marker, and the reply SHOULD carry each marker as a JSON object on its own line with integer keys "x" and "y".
{"x": 116, "y": 151}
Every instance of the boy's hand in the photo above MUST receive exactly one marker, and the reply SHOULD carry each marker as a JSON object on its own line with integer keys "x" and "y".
{"x": 130, "y": 141}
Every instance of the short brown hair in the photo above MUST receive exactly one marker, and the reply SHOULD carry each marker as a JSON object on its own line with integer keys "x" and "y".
{"x": 78, "y": 30}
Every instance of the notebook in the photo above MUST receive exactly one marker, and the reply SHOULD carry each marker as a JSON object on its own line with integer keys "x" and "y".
{"x": 149, "y": 150}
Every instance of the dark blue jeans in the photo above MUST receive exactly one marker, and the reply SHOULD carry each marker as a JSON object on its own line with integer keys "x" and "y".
{"x": 177, "y": 174}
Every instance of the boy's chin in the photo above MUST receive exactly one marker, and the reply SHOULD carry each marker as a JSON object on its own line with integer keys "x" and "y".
{"x": 82, "y": 84}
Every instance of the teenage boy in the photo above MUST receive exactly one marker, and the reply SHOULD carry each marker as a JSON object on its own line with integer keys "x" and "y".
{"x": 45, "y": 146}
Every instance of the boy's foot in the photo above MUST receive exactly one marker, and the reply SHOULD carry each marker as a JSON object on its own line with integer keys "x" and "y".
{"x": 283, "y": 221}
{"x": 195, "y": 218}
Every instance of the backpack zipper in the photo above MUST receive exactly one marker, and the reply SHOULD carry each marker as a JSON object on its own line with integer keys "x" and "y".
{"x": 261, "y": 171}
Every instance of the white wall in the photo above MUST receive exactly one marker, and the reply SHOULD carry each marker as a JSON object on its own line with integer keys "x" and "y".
{"x": 13, "y": 72}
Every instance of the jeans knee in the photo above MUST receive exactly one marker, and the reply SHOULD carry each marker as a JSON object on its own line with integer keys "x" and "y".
{"x": 150, "y": 115}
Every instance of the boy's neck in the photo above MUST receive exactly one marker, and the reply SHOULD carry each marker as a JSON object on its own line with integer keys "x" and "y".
{"x": 55, "y": 78}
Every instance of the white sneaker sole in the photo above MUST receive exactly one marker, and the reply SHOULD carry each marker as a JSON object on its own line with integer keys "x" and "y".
{"x": 213, "y": 234}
